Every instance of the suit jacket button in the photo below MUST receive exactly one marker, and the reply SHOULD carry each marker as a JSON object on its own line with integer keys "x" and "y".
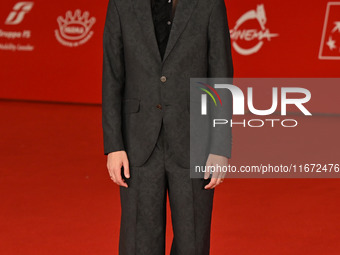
{"x": 159, "y": 107}
{"x": 163, "y": 79}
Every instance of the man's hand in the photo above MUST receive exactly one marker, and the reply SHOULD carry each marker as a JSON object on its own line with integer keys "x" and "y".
{"x": 217, "y": 163}
{"x": 115, "y": 161}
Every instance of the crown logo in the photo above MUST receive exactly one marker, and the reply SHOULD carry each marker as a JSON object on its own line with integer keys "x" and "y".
{"x": 77, "y": 26}
{"x": 74, "y": 29}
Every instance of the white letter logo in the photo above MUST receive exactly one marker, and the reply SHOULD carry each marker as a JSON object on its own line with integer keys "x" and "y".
{"x": 19, "y": 10}
{"x": 75, "y": 29}
{"x": 249, "y": 34}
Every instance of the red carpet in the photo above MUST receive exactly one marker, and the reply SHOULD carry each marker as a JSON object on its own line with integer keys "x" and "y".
{"x": 57, "y": 197}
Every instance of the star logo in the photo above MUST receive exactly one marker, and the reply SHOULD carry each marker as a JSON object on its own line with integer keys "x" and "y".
{"x": 330, "y": 40}
{"x": 331, "y": 43}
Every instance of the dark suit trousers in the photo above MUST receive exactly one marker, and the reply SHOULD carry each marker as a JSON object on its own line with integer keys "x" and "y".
{"x": 143, "y": 206}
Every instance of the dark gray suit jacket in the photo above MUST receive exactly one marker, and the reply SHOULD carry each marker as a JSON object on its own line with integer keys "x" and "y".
{"x": 140, "y": 91}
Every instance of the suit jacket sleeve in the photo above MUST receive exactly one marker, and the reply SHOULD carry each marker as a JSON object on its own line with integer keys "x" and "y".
{"x": 220, "y": 66}
{"x": 112, "y": 81}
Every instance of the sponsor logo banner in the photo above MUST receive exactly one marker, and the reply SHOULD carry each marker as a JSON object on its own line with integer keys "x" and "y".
{"x": 250, "y": 32}
{"x": 330, "y": 40}
{"x": 16, "y": 40}
{"x": 74, "y": 29}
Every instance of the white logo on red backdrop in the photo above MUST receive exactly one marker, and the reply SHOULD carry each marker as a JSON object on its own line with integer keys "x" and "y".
{"x": 16, "y": 40}
{"x": 330, "y": 40}
{"x": 74, "y": 30}
{"x": 17, "y": 15}
{"x": 246, "y": 39}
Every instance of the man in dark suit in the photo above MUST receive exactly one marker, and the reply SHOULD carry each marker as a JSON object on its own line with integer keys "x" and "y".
{"x": 151, "y": 50}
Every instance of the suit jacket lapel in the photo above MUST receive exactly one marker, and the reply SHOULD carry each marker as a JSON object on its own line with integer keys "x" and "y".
{"x": 142, "y": 10}
{"x": 183, "y": 12}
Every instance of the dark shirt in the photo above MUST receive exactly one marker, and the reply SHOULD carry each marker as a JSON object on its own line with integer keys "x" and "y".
{"x": 162, "y": 20}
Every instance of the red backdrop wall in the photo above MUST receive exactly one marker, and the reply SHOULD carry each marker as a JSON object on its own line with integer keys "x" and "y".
{"x": 45, "y": 55}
